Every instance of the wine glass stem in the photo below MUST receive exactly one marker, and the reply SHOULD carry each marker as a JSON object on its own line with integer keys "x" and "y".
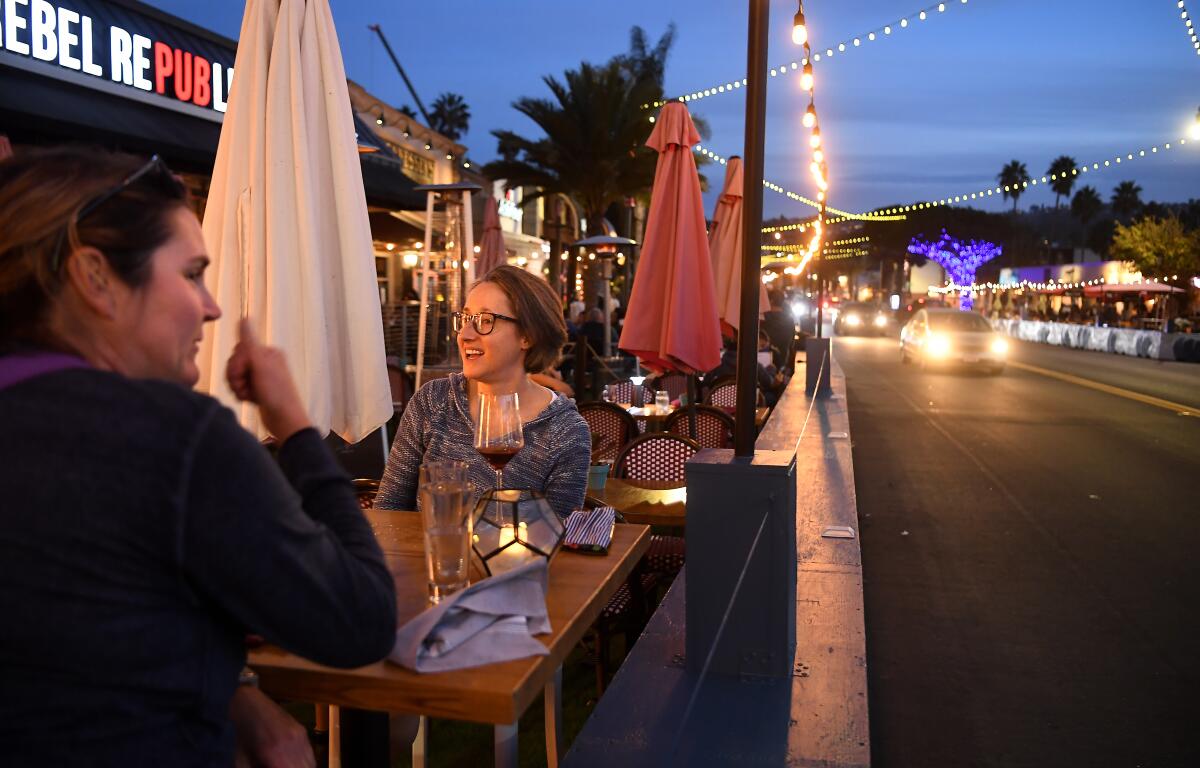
{"x": 499, "y": 479}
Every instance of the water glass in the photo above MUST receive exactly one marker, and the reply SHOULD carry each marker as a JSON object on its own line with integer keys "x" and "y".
{"x": 444, "y": 492}
{"x": 662, "y": 400}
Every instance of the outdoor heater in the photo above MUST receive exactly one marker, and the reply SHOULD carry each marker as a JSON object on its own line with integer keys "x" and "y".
{"x": 605, "y": 246}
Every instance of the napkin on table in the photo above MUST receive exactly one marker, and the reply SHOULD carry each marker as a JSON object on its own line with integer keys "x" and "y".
{"x": 492, "y": 620}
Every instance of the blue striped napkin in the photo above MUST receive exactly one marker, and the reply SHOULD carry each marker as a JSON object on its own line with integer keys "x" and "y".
{"x": 590, "y": 530}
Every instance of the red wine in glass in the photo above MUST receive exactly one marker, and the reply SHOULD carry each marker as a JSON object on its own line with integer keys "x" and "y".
{"x": 498, "y": 431}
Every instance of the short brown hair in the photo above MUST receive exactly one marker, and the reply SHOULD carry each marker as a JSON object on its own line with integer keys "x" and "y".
{"x": 539, "y": 314}
{"x": 41, "y": 193}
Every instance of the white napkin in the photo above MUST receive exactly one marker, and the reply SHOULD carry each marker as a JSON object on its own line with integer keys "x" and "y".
{"x": 492, "y": 620}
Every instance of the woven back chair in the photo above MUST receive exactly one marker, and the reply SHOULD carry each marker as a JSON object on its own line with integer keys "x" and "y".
{"x": 674, "y": 383}
{"x": 714, "y": 427}
{"x": 723, "y": 394}
{"x": 622, "y": 391}
{"x": 612, "y": 424}
{"x": 655, "y": 456}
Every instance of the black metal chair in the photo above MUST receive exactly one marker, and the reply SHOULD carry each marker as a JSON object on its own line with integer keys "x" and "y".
{"x": 660, "y": 457}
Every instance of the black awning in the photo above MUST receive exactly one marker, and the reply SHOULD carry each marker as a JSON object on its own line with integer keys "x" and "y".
{"x": 35, "y": 109}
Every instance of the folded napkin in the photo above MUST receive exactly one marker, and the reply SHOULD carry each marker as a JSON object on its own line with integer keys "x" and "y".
{"x": 492, "y": 620}
{"x": 590, "y": 530}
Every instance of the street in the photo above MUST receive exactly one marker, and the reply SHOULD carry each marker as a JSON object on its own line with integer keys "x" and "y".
{"x": 1030, "y": 551}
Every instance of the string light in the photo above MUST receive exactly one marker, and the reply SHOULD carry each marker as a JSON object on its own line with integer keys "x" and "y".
{"x": 855, "y": 41}
{"x": 1187, "y": 24}
{"x": 846, "y": 215}
{"x": 980, "y": 194}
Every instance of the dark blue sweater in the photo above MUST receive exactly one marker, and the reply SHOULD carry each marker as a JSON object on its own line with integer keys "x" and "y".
{"x": 143, "y": 533}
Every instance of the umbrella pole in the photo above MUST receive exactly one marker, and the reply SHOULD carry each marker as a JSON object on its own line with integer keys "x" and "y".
{"x": 423, "y": 310}
{"x": 691, "y": 404}
{"x": 756, "y": 106}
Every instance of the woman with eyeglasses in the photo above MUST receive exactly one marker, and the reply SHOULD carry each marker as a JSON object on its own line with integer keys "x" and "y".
{"x": 511, "y": 328}
{"x": 143, "y": 532}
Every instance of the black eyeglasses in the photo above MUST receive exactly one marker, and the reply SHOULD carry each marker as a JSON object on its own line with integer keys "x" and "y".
{"x": 483, "y": 322}
{"x": 155, "y": 165}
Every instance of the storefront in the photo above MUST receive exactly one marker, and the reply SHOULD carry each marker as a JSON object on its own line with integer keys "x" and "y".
{"x": 123, "y": 75}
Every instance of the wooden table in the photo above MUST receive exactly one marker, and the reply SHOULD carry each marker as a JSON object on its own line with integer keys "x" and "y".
{"x": 580, "y": 587}
{"x": 654, "y": 416}
{"x": 648, "y": 502}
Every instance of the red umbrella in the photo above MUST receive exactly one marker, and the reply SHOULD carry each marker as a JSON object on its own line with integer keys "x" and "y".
{"x": 725, "y": 245}
{"x": 491, "y": 242}
{"x": 671, "y": 322}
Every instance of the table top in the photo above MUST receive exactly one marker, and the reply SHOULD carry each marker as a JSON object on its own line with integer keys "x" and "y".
{"x": 650, "y": 411}
{"x": 580, "y": 587}
{"x": 648, "y": 502}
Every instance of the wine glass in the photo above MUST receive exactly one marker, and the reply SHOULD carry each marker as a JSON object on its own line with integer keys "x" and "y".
{"x": 498, "y": 431}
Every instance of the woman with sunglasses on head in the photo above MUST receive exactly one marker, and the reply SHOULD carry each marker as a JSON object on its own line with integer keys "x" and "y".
{"x": 143, "y": 532}
{"x": 510, "y": 328}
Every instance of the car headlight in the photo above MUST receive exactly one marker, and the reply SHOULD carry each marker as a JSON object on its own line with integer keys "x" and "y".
{"x": 937, "y": 346}
{"x": 853, "y": 320}
{"x": 999, "y": 347}
{"x": 880, "y": 321}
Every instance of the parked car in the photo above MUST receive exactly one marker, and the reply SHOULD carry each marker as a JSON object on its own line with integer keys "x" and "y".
{"x": 855, "y": 319}
{"x": 951, "y": 336}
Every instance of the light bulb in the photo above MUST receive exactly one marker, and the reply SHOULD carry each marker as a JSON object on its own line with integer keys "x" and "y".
{"x": 799, "y": 30}
{"x": 814, "y": 141}
{"x": 810, "y": 116}
{"x": 818, "y": 156}
{"x": 806, "y": 77}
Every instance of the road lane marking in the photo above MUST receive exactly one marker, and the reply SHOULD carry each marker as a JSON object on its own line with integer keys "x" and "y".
{"x": 1128, "y": 394}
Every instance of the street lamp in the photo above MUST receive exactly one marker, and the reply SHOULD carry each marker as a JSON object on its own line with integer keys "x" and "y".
{"x": 1195, "y": 132}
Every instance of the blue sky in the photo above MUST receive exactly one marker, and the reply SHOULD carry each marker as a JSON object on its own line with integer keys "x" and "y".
{"x": 930, "y": 111}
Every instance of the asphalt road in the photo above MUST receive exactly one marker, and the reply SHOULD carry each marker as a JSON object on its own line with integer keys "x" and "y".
{"x": 1030, "y": 550}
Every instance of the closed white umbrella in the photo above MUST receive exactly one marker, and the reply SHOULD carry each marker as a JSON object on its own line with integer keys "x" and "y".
{"x": 286, "y": 223}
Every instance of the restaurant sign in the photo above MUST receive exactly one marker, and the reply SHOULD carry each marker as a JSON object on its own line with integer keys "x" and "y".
{"x": 118, "y": 43}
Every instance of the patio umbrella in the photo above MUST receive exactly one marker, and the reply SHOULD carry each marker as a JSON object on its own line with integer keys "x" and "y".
{"x": 725, "y": 247}
{"x": 491, "y": 242}
{"x": 286, "y": 223}
{"x": 671, "y": 322}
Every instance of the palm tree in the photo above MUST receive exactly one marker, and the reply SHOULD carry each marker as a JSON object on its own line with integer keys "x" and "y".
{"x": 1086, "y": 204}
{"x": 1062, "y": 176}
{"x": 595, "y": 131}
{"x": 450, "y": 116}
{"x": 1013, "y": 177}
{"x": 1126, "y": 200}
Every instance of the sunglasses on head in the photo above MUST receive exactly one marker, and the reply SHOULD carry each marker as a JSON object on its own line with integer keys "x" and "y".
{"x": 154, "y": 168}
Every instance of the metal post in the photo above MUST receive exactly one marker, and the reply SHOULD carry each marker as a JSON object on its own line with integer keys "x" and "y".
{"x": 756, "y": 105}
{"x": 821, "y": 273}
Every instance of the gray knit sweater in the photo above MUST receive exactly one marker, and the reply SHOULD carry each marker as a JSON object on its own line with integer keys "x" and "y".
{"x": 437, "y": 425}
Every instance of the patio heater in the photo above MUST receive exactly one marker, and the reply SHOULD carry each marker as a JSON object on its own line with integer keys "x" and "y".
{"x": 605, "y": 246}
{"x": 448, "y": 270}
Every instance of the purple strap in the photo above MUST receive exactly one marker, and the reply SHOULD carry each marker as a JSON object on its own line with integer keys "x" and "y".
{"x": 17, "y": 368}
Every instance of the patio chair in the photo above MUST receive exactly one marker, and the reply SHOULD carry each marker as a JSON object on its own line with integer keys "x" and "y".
{"x": 622, "y": 391}
{"x": 612, "y": 423}
{"x": 674, "y": 383}
{"x": 723, "y": 394}
{"x": 365, "y": 490}
{"x": 659, "y": 456}
{"x": 714, "y": 427}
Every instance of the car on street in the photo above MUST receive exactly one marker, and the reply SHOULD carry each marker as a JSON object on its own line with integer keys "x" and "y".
{"x": 951, "y": 336}
{"x": 860, "y": 319}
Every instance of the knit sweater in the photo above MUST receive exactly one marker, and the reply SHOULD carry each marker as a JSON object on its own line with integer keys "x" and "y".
{"x": 437, "y": 426}
{"x": 143, "y": 534}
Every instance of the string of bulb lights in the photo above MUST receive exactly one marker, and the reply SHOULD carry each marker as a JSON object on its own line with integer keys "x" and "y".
{"x": 1191, "y": 29}
{"x": 1044, "y": 285}
{"x": 843, "y": 215}
{"x": 804, "y": 65}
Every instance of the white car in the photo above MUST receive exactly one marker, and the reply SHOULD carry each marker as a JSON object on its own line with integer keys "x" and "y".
{"x": 950, "y": 336}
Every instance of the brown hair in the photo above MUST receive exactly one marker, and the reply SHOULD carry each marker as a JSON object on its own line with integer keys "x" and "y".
{"x": 41, "y": 193}
{"x": 539, "y": 314}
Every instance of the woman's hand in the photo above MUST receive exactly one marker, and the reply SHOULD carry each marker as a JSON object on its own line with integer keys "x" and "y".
{"x": 259, "y": 374}
{"x": 266, "y": 735}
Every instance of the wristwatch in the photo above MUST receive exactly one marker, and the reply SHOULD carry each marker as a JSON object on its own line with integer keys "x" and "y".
{"x": 248, "y": 677}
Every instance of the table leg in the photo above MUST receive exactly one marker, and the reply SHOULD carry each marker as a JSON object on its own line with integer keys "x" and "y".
{"x": 420, "y": 745}
{"x": 506, "y": 745}
{"x": 553, "y": 698}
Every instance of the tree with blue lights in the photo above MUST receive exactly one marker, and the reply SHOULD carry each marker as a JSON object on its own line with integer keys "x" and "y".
{"x": 961, "y": 259}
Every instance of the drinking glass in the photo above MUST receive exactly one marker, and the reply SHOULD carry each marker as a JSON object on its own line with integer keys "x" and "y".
{"x": 445, "y": 501}
{"x": 498, "y": 431}
{"x": 662, "y": 400}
